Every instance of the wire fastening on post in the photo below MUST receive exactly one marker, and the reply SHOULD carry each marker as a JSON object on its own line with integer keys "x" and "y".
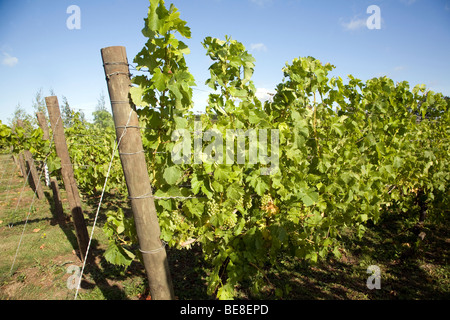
{"x": 154, "y": 250}
{"x": 133, "y": 153}
{"x": 116, "y": 64}
{"x": 145, "y": 196}
{"x": 108, "y": 76}
{"x": 119, "y": 101}
{"x": 127, "y": 127}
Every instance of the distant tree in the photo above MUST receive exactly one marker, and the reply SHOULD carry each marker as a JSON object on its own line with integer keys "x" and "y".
{"x": 81, "y": 116}
{"x": 68, "y": 113}
{"x": 21, "y": 114}
{"x": 101, "y": 104}
{"x": 101, "y": 115}
{"x": 38, "y": 102}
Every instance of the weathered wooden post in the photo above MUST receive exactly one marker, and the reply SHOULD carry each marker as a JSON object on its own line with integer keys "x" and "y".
{"x": 22, "y": 166}
{"x": 30, "y": 170}
{"x": 67, "y": 174}
{"x": 33, "y": 177}
{"x": 136, "y": 175}
{"x": 59, "y": 211}
{"x": 51, "y": 182}
{"x": 44, "y": 126}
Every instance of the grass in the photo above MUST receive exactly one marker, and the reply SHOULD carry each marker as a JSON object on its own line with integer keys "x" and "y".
{"x": 410, "y": 268}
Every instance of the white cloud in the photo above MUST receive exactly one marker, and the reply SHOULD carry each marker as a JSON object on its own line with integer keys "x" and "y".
{"x": 399, "y": 68}
{"x": 264, "y": 94}
{"x": 258, "y": 47}
{"x": 261, "y": 2}
{"x": 355, "y": 24}
{"x": 9, "y": 60}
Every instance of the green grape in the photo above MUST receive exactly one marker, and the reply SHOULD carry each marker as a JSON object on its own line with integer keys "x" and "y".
{"x": 213, "y": 208}
{"x": 249, "y": 203}
{"x": 240, "y": 202}
{"x": 230, "y": 222}
{"x": 268, "y": 205}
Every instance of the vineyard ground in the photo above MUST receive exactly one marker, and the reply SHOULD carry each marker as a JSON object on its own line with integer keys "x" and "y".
{"x": 47, "y": 250}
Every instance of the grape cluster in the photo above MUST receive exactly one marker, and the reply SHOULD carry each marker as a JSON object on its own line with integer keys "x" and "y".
{"x": 240, "y": 203}
{"x": 265, "y": 200}
{"x": 213, "y": 207}
{"x": 231, "y": 220}
{"x": 249, "y": 204}
{"x": 268, "y": 205}
{"x": 244, "y": 203}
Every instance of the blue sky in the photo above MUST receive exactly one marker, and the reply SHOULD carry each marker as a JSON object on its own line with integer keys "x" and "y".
{"x": 38, "y": 51}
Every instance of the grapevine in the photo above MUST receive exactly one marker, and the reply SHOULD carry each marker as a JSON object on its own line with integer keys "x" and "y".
{"x": 339, "y": 153}
{"x": 346, "y": 153}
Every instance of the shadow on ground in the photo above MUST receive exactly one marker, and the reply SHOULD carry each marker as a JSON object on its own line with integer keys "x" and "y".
{"x": 411, "y": 268}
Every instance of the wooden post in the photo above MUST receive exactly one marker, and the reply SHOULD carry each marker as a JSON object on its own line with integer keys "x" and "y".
{"x": 67, "y": 173}
{"x": 136, "y": 175}
{"x": 23, "y": 168}
{"x": 52, "y": 182}
{"x": 33, "y": 177}
{"x": 16, "y": 161}
{"x": 44, "y": 126}
{"x": 29, "y": 170}
{"x": 59, "y": 211}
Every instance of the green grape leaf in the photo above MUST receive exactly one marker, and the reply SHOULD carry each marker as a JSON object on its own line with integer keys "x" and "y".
{"x": 172, "y": 174}
{"x": 309, "y": 197}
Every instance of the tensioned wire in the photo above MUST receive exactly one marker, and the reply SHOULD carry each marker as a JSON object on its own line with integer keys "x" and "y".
{"x": 116, "y": 146}
{"x": 32, "y": 201}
